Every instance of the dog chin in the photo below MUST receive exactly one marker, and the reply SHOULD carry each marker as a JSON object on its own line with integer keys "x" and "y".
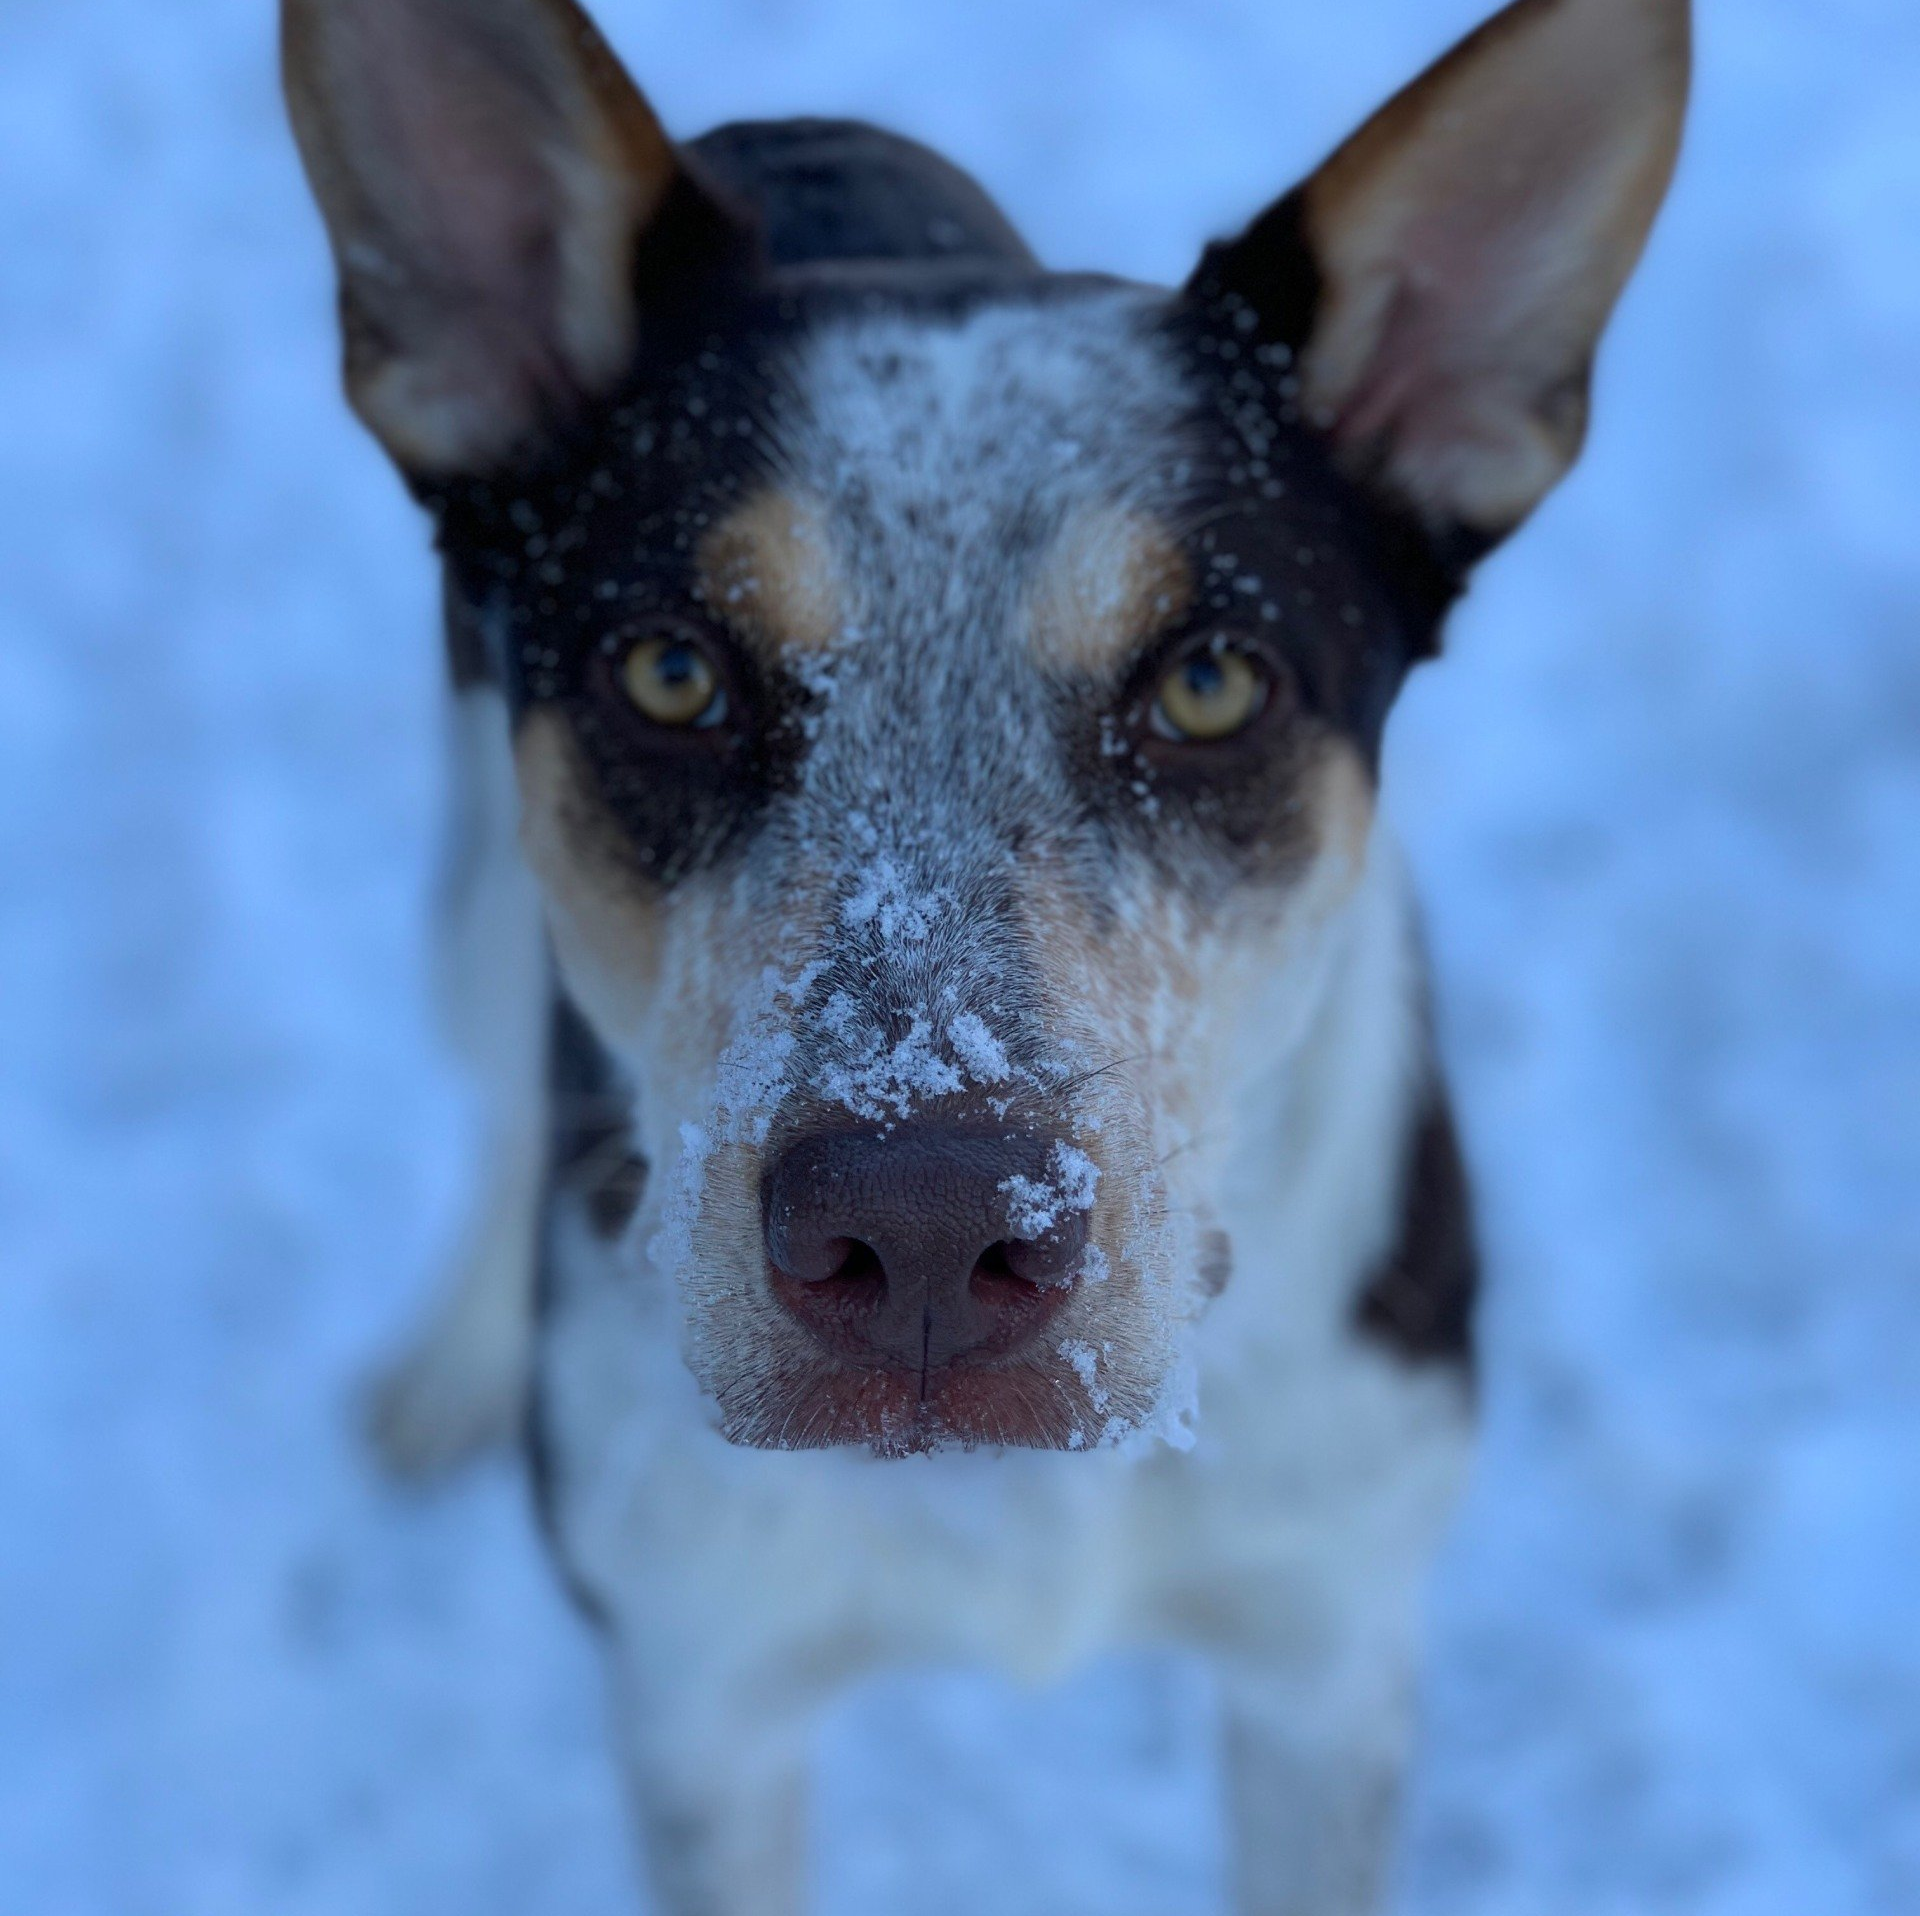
{"x": 1029, "y": 1405}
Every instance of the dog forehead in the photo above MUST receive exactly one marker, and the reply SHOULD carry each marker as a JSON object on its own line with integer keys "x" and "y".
{"x": 930, "y": 472}
{"x": 1058, "y": 380}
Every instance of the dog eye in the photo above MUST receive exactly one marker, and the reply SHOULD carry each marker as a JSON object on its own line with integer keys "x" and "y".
{"x": 1210, "y": 694}
{"x": 674, "y": 681}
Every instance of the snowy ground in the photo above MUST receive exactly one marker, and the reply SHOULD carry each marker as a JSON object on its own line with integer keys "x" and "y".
{"x": 1665, "y": 799}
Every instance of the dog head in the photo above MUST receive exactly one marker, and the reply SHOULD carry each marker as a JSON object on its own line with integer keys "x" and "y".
{"x": 947, "y": 695}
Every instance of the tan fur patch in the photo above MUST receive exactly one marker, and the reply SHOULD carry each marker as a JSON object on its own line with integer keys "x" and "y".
{"x": 1167, "y": 975}
{"x": 1343, "y": 800}
{"x": 1112, "y": 581}
{"x": 608, "y": 930}
{"x": 768, "y": 568}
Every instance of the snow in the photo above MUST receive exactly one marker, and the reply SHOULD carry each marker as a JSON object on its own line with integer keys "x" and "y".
{"x": 1038, "y": 1204}
{"x": 888, "y": 1081}
{"x": 888, "y": 901}
{"x": 982, "y": 1056}
{"x": 1663, "y": 799}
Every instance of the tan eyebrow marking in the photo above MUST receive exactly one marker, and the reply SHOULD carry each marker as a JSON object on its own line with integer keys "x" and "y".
{"x": 768, "y": 568}
{"x": 1114, "y": 578}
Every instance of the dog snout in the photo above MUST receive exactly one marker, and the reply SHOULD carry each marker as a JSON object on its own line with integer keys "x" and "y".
{"x": 915, "y": 1248}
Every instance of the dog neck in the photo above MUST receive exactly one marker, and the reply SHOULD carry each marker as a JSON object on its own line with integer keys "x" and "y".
{"x": 1318, "y": 1142}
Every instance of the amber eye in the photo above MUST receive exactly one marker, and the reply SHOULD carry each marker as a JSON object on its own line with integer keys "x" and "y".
{"x": 1210, "y": 695}
{"x": 674, "y": 682}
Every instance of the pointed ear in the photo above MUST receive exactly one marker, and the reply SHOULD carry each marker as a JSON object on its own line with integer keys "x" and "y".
{"x": 1444, "y": 279}
{"x": 487, "y": 171}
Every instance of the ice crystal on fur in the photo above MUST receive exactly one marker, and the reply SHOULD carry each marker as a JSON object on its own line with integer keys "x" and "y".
{"x": 890, "y": 904}
{"x": 1039, "y": 1204}
{"x": 887, "y": 1081}
{"x": 982, "y": 1054}
{"x": 1086, "y": 1364}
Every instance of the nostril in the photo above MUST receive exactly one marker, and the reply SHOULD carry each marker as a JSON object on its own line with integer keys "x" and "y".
{"x": 1050, "y": 1259}
{"x": 1026, "y": 1262}
{"x": 997, "y": 1266}
{"x": 996, "y": 1261}
{"x": 853, "y": 1262}
{"x": 825, "y": 1260}
{"x": 1016, "y": 1264}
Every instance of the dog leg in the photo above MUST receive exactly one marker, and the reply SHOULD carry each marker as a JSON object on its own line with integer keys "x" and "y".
{"x": 724, "y": 1836}
{"x": 463, "y": 1384}
{"x": 1313, "y": 1780}
{"x": 738, "y": 1850}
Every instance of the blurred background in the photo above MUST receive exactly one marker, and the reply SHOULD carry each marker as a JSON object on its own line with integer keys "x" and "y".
{"x": 1664, "y": 797}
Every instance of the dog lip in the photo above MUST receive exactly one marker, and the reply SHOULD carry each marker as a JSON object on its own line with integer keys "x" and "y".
{"x": 897, "y": 1412}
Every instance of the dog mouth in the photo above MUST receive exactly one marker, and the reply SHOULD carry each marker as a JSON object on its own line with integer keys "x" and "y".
{"x": 1040, "y": 1401}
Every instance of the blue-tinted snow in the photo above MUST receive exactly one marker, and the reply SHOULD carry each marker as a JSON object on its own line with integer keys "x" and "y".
{"x": 1665, "y": 798}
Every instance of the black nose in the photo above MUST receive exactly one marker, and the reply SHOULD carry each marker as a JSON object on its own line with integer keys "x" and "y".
{"x": 923, "y": 1245}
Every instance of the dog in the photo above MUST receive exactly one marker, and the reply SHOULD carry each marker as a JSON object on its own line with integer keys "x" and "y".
{"x": 968, "y": 1174}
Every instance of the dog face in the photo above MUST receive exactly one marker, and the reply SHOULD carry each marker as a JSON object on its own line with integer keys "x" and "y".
{"x": 946, "y": 697}
{"x": 995, "y": 802}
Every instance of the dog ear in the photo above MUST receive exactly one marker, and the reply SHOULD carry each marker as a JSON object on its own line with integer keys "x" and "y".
{"x": 1443, "y": 280}
{"x": 487, "y": 171}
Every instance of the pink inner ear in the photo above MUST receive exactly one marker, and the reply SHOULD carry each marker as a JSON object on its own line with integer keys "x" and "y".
{"x": 456, "y": 260}
{"x": 484, "y": 166}
{"x": 1493, "y": 244}
{"x": 1473, "y": 239}
{"x": 1444, "y": 328}
{"x": 465, "y": 181}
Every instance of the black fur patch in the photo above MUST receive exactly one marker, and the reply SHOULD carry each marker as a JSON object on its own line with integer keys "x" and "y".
{"x": 591, "y": 1162}
{"x": 594, "y": 1157}
{"x": 1290, "y": 543}
{"x": 470, "y": 664}
{"x": 1421, "y": 1302}
{"x": 838, "y": 190}
{"x": 1267, "y": 287}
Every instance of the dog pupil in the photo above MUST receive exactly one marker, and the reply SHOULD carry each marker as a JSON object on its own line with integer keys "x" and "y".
{"x": 1204, "y": 677}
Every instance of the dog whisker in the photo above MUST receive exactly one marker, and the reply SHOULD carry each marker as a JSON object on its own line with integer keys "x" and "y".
{"x": 1100, "y": 1071}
